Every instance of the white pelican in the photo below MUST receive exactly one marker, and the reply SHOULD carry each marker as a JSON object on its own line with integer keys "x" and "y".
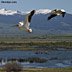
{"x": 56, "y": 12}
{"x": 26, "y": 22}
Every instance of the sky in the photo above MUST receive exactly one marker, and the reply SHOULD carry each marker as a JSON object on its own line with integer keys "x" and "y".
{"x": 27, "y": 5}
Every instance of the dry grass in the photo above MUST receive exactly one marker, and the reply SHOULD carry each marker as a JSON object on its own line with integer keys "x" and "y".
{"x": 48, "y": 70}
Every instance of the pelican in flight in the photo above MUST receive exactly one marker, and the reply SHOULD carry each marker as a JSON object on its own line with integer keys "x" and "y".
{"x": 26, "y": 23}
{"x": 56, "y": 12}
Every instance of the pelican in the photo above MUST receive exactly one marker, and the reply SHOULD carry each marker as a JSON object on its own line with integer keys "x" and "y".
{"x": 56, "y": 12}
{"x": 26, "y": 22}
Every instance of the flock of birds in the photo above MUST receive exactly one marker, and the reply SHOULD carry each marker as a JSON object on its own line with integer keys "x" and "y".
{"x": 26, "y": 23}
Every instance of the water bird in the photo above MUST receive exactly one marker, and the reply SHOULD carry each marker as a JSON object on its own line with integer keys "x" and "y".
{"x": 56, "y": 12}
{"x": 26, "y": 23}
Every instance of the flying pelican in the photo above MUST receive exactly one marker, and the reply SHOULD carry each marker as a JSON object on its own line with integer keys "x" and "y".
{"x": 56, "y": 12}
{"x": 26, "y": 22}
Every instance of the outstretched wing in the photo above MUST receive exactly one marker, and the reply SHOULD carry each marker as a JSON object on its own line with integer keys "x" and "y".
{"x": 28, "y": 19}
{"x": 51, "y": 16}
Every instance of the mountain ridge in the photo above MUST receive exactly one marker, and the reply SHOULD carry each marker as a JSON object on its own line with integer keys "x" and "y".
{"x": 12, "y": 12}
{"x": 39, "y": 23}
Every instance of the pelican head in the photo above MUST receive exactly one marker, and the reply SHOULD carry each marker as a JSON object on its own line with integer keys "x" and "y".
{"x": 20, "y": 24}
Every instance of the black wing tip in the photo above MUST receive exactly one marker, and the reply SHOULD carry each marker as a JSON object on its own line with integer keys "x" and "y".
{"x": 30, "y": 16}
{"x": 48, "y": 18}
{"x": 32, "y": 12}
{"x": 51, "y": 16}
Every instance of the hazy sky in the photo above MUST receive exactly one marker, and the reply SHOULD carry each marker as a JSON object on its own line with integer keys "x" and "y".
{"x": 26, "y": 5}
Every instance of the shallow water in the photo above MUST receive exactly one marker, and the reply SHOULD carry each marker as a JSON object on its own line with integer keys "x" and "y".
{"x": 55, "y": 58}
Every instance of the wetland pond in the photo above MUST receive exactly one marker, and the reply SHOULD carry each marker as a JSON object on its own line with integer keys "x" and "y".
{"x": 38, "y": 59}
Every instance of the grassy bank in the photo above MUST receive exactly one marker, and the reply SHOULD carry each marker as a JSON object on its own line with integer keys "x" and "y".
{"x": 49, "y": 70}
{"x": 33, "y": 45}
{"x": 51, "y": 42}
{"x": 44, "y": 70}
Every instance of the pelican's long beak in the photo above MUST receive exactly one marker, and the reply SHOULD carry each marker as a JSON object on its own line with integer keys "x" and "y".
{"x": 14, "y": 26}
{"x": 21, "y": 28}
